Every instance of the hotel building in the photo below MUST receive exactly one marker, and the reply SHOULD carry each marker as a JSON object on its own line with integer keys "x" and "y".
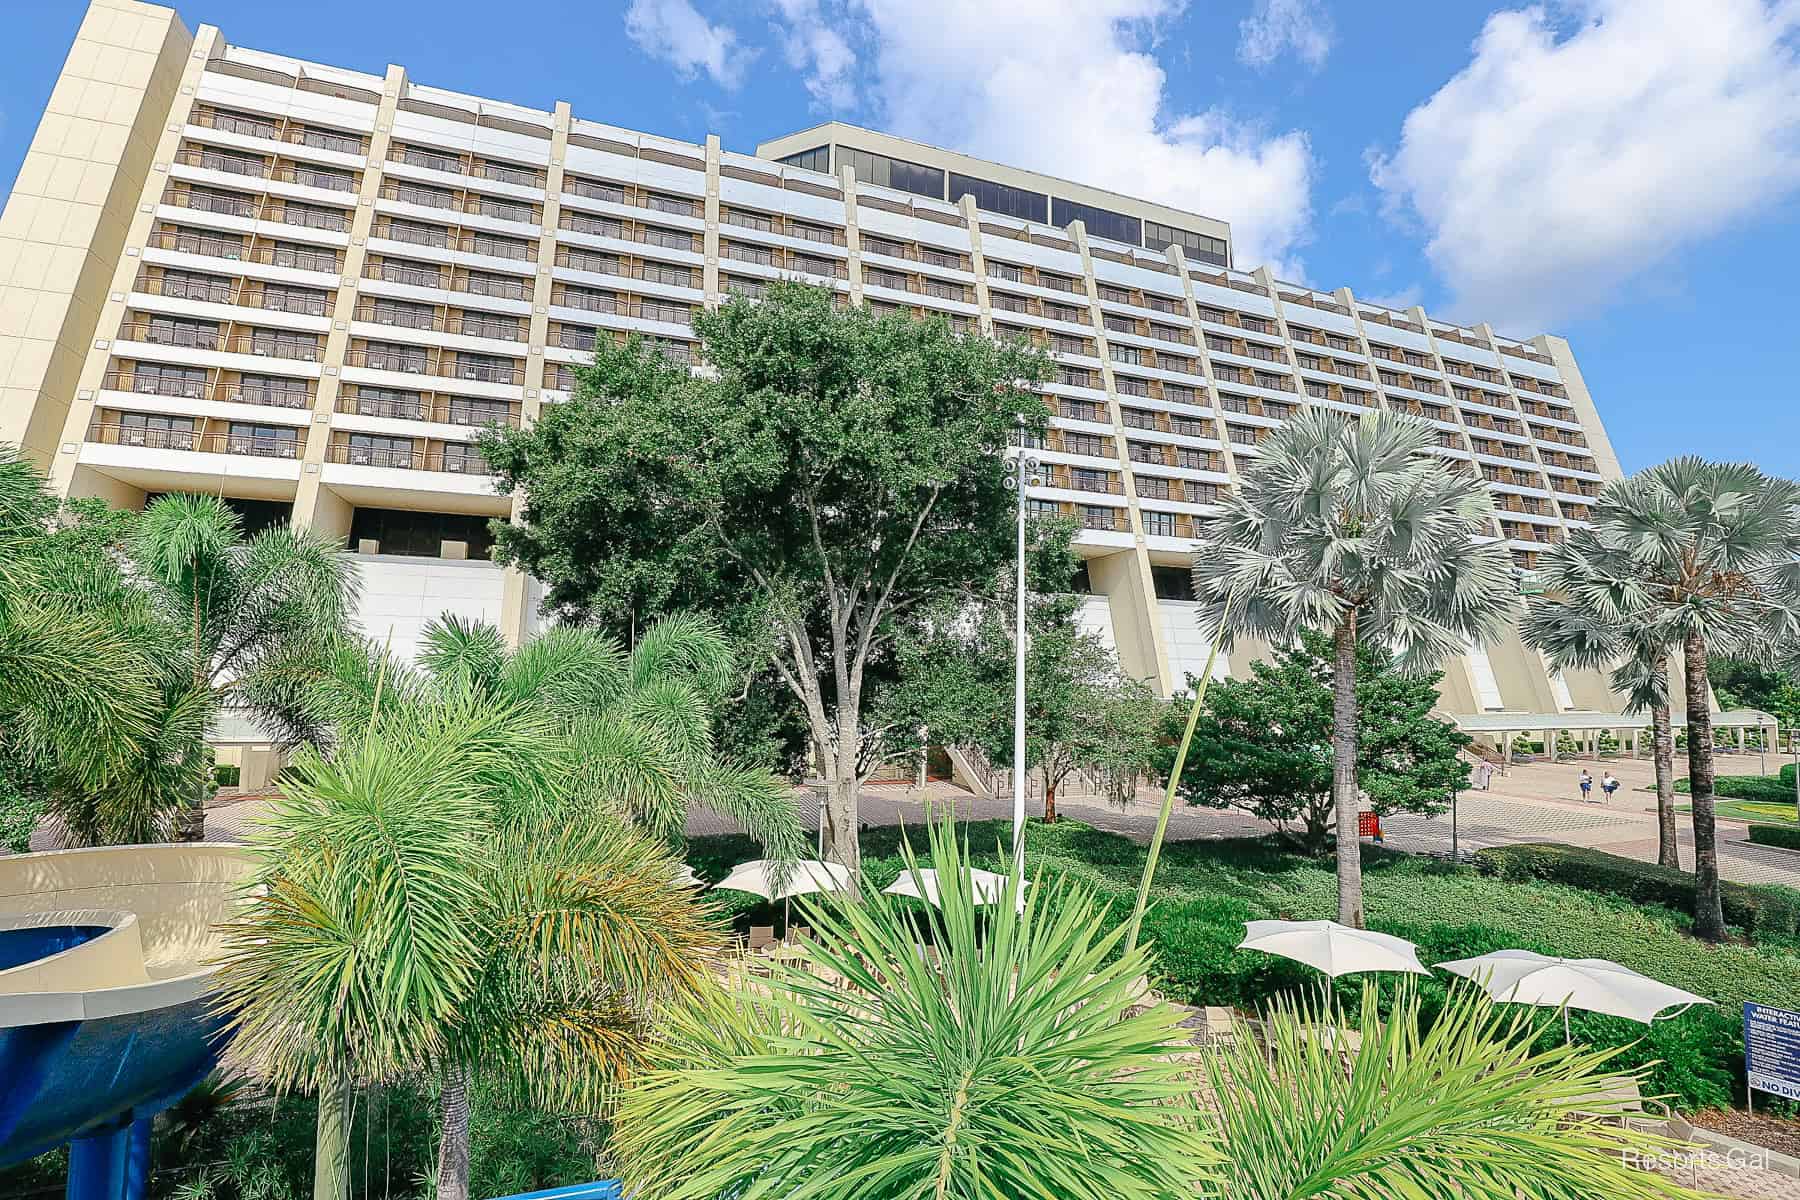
{"x": 305, "y": 288}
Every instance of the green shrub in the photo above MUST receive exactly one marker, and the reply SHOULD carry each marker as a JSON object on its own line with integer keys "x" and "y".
{"x": 1765, "y": 912}
{"x": 18, "y": 817}
{"x": 1785, "y": 836}
{"x": 226, "y": 775}
{"x": 1770, "y": 789}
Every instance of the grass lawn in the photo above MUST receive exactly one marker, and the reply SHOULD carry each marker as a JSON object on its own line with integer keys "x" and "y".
{"x": 1207, "y": 889}
{"x": 1760, "y": 811}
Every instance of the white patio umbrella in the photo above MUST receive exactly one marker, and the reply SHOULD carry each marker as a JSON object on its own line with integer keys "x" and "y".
{"x": 987, "y": 886}
{"x": 759, "y": 875}
{"x": 1333, "y": 948}
{"x": 685, "y": 878}
{"x": 1591, "y": 984}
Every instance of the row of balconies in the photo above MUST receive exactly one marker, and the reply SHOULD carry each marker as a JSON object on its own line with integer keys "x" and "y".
{"x": 452, "y": 237}
{"x": 622, "y": 230}
{"x": 256, "y": 206}
{"x": 461, "y": 200}
{"x": 278, "y": 129}
{"x": 269, "y": 168}
{"x": 236, "y": 290}
{"x": 222, "y": 336}
{"x": 432, "y": 360}
{"x": 234, "y": 247}
{"x": 202, "y": 435}
{"x": 462, "y": 162}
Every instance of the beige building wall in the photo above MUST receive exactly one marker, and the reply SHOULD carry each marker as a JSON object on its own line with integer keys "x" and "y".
{"x": 66, "y": 220}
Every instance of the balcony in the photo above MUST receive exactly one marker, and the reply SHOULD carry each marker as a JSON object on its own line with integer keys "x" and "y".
{"x": 425, "y": 406}
{"x": 446, "y": 459}
{"x": 419, "y": 360}
{"x": 286, "y": 445}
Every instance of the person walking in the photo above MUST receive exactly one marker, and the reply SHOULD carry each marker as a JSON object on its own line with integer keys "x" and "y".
{"x": 1484, "y": 772}
{"x": 1587, "y": 786}
{"x": 1609, "y": 784}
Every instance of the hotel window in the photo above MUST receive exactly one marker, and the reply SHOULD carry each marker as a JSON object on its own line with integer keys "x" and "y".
{"x": 880, "y": 245}
{"x": 303, "y": 258}
{"x": 943, "y": 258}
{"x": 1179, "y": 393}
{"x": 156, "y": 432}
{"x": 491, "y": 325}
{"x": 1272, "y": 382}
{"x": 1098, "y": 516}
{"x": 506, "y": 210}
{"x": 1311, "y": 362}
{"x": 817, "y": 159}
{"x": 390, "y": 402}
{"x": 1062, "y": 343}
{"x": 1158, "y": 236}
{"x": 1007, "y": 271}
{"x": 487, "y": 368}
{"x": 612, "y": 193}
{"x": 1125, "y": 385}
{"x": 1001, "y": 198}
{"x": 194, "y": 335}
{"x": 1318, "y": 391}
{"x": 945, "y": 290}
{"x": 577, "y": 337}
{"x": 668, "y": 273}
{"x": 324, "y": 139}
{"x": 424, "y": 195}
{"x": 263, "y": 441}
{"x": 1099, "y": 222}
{"x": 1125, "y": 354}
{"x": 1081, "y": 410}
{"x": 1176, "y": 362}
{"x": 679, "y": 205}
{"x": 580, "y": 222}
{"x": 1042, "y": 508}
{"x": 1075, "y": 376}
{"x": 894, "y": 173}
{"x": 1064, "y": 312}
{"x": 1190, "y": 427}
{"x": 460, "y": 458}
{"x": 1120, "y": 324}
{"x": 817, "y": 266}
{"x": 1159, "y": 524}
{"x": 744, "y": 252}
{"x": 373, "y": 450}
{"x": 1339, "y": 343}
{"x": 386, "y": 356}
{"x": 1139, "y": 418}
{"x": 466, "y": 411}
{"x": 668, "y": 239}
{"x": 1220, "y": 345}
{"x": 1114, "y": 295}
{"x": 762, "y": 222}
{"x": 153, "y": 379}
{"x": 1193, "y": 460}
{"x": 893, "y": 280}
{"x": 1153, "y": 487}
{"x": 272, "y": 389}
{"x": 1145, "y": 452}
{"x": 279, "y": 343}
{"x": 1090, "y": 444}
{"x": 499, "y": 247}
{"x": 1254, "y": 324}
{"x": 505, "y": 287}
{"x": 331, "y": 181}
{"x": 1007, "y": 302}
{"x": 665, "y": 310}
{"x": 1241, "y": 435}
{"x": 1057, "y": 283}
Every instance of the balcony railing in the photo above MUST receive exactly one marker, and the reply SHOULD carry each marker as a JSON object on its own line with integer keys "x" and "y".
{"x": 222, "y": 442}
{"x": 428, "y": 363}
{"x": 447, "y": 410}
{"x": 273, "y": 393}
{"x": 447, "y": 459}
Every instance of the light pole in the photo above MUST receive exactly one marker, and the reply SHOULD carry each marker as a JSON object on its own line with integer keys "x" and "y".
{"x": 1021, "y": 473}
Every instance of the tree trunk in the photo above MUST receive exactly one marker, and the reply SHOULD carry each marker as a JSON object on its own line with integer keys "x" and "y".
{"x": 840, "y": 840}
{"x": 1709, "y": 913}
{"x": 331, "y": 1143}
{"x": 1343, "y": 774}
{"x": 1049, "y": 802}
{"x": 1668, "y": 850}
{"x": 453, "y": 1136}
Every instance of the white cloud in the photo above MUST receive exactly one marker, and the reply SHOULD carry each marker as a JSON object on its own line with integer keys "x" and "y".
{"x": 1074, "y": 90}
{"x": 1554, "y": 171}
{"x": 674, "y": 31}
{"x": 1275, "y": 26}
{"x": 819, "y": 51}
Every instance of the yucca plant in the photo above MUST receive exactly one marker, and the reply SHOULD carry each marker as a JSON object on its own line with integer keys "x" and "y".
{"x": 1357, "y": 529}
{"x": 1463, "y": 1105}
{"x": 1016, "y": 1068}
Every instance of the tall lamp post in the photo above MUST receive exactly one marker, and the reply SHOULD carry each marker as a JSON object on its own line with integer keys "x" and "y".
{"x": 1021, "y": 473}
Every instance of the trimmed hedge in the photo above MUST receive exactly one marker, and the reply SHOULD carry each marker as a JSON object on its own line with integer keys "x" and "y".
{"x": 226, "y": 775}
{"x": 1785, "y": 836}
{"x": 1775, "y": 789}
{"x": 1765, "y": 911}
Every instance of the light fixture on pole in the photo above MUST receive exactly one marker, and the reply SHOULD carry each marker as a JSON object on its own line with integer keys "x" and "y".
{"x": 1021, "y": 473}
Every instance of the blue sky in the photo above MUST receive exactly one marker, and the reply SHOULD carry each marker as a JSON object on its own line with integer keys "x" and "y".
{"x": 1622, "y": 172}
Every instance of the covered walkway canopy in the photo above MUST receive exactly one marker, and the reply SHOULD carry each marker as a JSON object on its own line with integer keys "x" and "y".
{"x": 1501, "y": 728}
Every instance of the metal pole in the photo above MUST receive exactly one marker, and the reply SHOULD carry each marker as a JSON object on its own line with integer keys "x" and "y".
{"x": 1455, "y": 843}
{"x": 1021, "y": 473}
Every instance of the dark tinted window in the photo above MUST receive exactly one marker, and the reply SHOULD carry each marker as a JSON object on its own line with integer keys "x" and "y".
{"x": 1173, "y": 583}
{"x": 817, "y": 159}
{"x": 894, "y": 173}
{"x": 1099, "y": 221}
{"x": 1198, "y": 246}
{"x": 420, "y": 534}
{"x": 999, "y": 198}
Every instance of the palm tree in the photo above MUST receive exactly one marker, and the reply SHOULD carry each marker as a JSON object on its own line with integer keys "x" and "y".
{"x": 1012, "y": 1070}
{"x": 1593, "y": 617}
{"x": 592, "y": 749}
{"x": 1704, "y": 556}
{"x": 78, "y": 698}
{"x": 436, "y": 901}
{"x": 240, "y": 607}
{"x": 1462, "y": 1107}
{"x": 1355, "y": 528}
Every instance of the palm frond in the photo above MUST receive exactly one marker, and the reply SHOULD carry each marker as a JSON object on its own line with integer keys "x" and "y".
{"x": 1463, "y": 1105}
{"x": 1011, "y": 1071}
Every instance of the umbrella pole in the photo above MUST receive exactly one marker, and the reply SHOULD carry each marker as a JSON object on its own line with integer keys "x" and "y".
{"x": 1566, "y": 1040}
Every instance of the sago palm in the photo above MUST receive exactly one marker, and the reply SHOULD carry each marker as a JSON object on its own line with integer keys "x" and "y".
{"x": 1357, "y": 529}
{"x": 1461, "y": 1106}
{"x": 1706, "y": 557}
{"x": 435, "y": 902}
{"x": 1010, "y": 1069}
{"x": 1593, "y": 616}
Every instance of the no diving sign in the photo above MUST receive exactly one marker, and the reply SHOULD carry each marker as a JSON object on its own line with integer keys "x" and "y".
{"x": 1772, "y": 1050}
